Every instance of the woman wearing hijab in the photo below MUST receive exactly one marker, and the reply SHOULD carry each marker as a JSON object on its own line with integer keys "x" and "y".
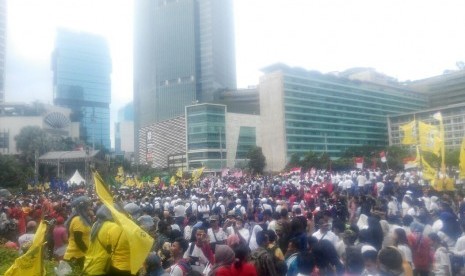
{"x": 98, "y": 257}
{"x": 79, "y": 226}
{"x": 224, "y": 257}
{"x": 153, "y": 266}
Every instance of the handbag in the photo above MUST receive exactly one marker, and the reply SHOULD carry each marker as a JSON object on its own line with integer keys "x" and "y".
{"x": 110, "y": 252}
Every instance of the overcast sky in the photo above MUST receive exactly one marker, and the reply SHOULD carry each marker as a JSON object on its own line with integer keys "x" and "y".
{"x": 405, "y": 39}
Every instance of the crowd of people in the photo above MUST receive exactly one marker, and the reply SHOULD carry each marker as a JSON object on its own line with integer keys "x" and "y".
{"x": 363, "y": 222}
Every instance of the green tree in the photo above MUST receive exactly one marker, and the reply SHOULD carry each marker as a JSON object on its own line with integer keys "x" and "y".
{"x": 452, "y": 158}
{"x": 324, "y": 162}
{"x": 294, "y": 161}
{"x": 257, "y": 161}
{"x": 311, "y": 159}
{"x": 342, "y": 164}
{"x": 396, "y": 154}
{"x": 32, "y": 139}
{"x": 12, "y": 172}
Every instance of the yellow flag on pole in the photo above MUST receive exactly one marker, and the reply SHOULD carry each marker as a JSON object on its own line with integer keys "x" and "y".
{"x": 31, "y": 263}
{"x": 197, "y": 173}
{"x": 172, "y": 180}
{"x": 140, "y": 243}
{"x": 156, "y": 180}
{"x": 409, "y": 134}
{"x": 429, "y": 173}
{"x": 462, "y": 160}
{"x": 430, "y": 138}
{"x": 179, "y": 173}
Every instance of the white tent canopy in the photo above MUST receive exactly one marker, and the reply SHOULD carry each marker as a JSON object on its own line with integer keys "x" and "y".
{"x": 76, "y": 179}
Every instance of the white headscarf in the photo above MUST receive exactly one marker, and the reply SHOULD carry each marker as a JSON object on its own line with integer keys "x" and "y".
{"x": 253, "y": 239}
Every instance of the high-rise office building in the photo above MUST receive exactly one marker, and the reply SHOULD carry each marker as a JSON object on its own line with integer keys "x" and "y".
{"x": 2, "y": 49}
{"x": 443, "y": 90}
{"x": 124, "y": 130}
{"x": 81, "y": 65}
{"x": 183, "y": 52}
{"x": 305, "y": 111}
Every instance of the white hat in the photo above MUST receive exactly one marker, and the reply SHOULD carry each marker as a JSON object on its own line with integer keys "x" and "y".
{"x": 263, "y": 200}
{"x": 220, "y": 198}
{"x": 366, "y": 248}
{"x": 194, "y": 197}
{"x": 238, "y": 201}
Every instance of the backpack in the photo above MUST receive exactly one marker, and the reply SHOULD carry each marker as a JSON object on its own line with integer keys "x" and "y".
{"x": 185, "y": 267}
{"x": 217, "y": 209}
{"x": 237, "y": 211}
{"x": 189, "y": 209}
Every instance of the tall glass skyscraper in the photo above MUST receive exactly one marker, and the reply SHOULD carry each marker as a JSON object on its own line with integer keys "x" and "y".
{"x": 81, "y": 65}
{"x": 2, "y": 48}
{"x": 183, "y": 52}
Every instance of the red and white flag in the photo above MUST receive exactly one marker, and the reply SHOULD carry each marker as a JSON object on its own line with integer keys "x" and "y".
{"x": 410, "y": 162}
{"x": 383, "y": 156}
{"x": 296, "y": 170}
{"x": 224, "y": 172}
{"x": 359, "y": 162}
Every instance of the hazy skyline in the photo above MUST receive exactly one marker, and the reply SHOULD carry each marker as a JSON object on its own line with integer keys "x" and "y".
{"x": 404, "y": 39}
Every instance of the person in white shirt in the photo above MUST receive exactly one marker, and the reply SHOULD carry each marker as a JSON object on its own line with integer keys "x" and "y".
{"x": 239, "y": 208}
{"x": 199, "y": 252}
{"x": 178, "y": 247}
{"x": 433, "y": 207}
{"x": 238, "y": 228}
{"x": 441, "y": 264}
{"x": 215, "y": 233}
{"x": 265, "y": 205}
{"x": 459, "y": 248}
{"x": 179, "y": 212}
{"x": 219, "y": 204}
{"x": 393, "y": 209}
{"x": 406, "y": 203}
{"x": 348, "y": 183}
{"x": 361, "y": 182}
{"x": 203, "y": 209}
{"x": 324, "y": 233}
{"x": 25, "y": 240}
{"x": 401, "y": 242}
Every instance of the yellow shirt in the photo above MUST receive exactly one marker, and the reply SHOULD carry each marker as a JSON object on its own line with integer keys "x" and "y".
{"x": 73, "y": 251}
{"x": 277, "y": 253}
{"x": 121, "y": 253}
{"x": 97, "y": 256}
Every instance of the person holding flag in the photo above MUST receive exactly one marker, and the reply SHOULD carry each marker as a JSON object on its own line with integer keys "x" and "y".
{"x": 78, "y": 225}
{"x": 31, "y": 262}
{"x": 137, "y": 244}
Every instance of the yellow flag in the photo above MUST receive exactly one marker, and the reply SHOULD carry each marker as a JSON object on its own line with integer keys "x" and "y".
{"x": 409, "y": 135}
{"x": 462, "y": 160}
{"x": 172, "y": 180}
{"x": 29, "y": 187}
{"x": 430, "y": 138}
{"x": 156, "y": 180}
{"x": 139, "y": 184}
{"x": 140, "y": 243}
{"x": 197, "y": 173}
{"x": 449, "y": 184}
{"x": 179, "y": 173}
{"x": 31, "y": 263}
{"x": 429, "y": 173}
{"x": 120, "y": 171}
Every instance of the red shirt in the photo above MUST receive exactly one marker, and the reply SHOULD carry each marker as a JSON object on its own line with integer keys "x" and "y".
{"x": 60, "y": 235}
{"x": 246, "y": 269}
